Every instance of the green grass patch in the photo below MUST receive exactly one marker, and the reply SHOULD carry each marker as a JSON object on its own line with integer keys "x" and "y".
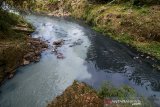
{"x": 150, "y": 47}
{"x": 107, "y": 90}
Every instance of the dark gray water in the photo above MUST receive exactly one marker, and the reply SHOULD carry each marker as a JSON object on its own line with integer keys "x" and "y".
{"x": 89, "y": 57}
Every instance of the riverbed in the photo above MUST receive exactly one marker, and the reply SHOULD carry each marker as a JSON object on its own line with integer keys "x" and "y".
{"x": 88, "y": 56}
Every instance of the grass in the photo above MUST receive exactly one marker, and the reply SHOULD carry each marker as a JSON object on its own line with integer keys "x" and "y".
{"x": 147, "y": 46}
{"x": 152, "y": 48}
{"x": 107, "y": 91}
{"x": 46, "y": 6}
{"x": 137, "y": 26}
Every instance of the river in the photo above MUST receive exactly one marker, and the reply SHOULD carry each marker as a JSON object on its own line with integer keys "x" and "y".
{"x": 88, "y": 57}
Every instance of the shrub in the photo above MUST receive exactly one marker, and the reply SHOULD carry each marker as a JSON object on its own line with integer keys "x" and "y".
{"x": 6, "y": 22}
{"x": 107, "y": 90}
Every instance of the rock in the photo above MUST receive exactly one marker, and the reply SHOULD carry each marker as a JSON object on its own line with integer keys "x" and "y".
{"x": 31, "y": 50}
{"x": 71, "y": 45}
{"x": 59, "y": 42}
{"x": 60, "y": 56}
{"x": 37, "y": 52}
{"x": 44, "y": 45}
{"x": 28, "y": 44}
{"x": 10, "y": 76}
{"x": 136, "y": 57}
{"x": 54, "y": 49}
{"x": 44, "y": 49}
{"x": 148, "y": 57}
{"x": 35, "y": 39}
{"x": 35, "y": 42}
{"x": 25, "y": 62}
{"x": 37, "y": 59}
{"x": 29, "y": 55}
{"x": 78, "y": 42}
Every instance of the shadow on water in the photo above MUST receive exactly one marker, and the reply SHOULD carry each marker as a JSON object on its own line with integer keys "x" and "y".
{"x": 107, "y": 60}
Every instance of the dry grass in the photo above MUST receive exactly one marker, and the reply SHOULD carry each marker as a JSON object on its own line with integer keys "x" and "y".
{"x": 78, "y": 95}
{"x": 128, "y": 24}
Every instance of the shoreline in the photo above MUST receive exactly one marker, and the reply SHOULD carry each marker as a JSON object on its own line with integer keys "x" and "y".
{"x": 31, "y": 54}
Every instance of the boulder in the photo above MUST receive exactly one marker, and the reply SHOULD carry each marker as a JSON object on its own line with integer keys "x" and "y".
{"x": 10, "y": 76}
{"x": 36, "y": 43}
{"x": 25, "y": 62}
{"x": 78, "y": 42}
{"x": 60, "y": 56}
{"x": 37, "y": 59}
{"x": 37, "y": 52}
{"x": 44, "y": 45}
{"x": 59, "y": 42}
{"x": 29, "y": 56}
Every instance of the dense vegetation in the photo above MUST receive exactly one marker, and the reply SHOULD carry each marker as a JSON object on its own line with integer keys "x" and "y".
{"x": 8, "y": 21}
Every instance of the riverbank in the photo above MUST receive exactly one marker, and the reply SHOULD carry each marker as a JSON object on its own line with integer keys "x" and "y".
{"x": 135, "y": 26}
{"x": 17, "y": 47}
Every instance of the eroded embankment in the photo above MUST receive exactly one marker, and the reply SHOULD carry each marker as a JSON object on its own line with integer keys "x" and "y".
{"x": 15, "y": 52}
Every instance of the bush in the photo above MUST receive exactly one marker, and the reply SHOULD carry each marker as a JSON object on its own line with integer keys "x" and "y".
{"x": 7, "y": 21}
{"x": 107, "y": 90}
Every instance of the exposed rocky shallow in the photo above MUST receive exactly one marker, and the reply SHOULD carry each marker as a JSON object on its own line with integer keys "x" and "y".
{"x": 36, "y": 46}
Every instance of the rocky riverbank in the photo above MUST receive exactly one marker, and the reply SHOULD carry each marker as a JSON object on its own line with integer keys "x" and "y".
{"x": 35, "y": 47}
{"x": 19, "y": 52}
